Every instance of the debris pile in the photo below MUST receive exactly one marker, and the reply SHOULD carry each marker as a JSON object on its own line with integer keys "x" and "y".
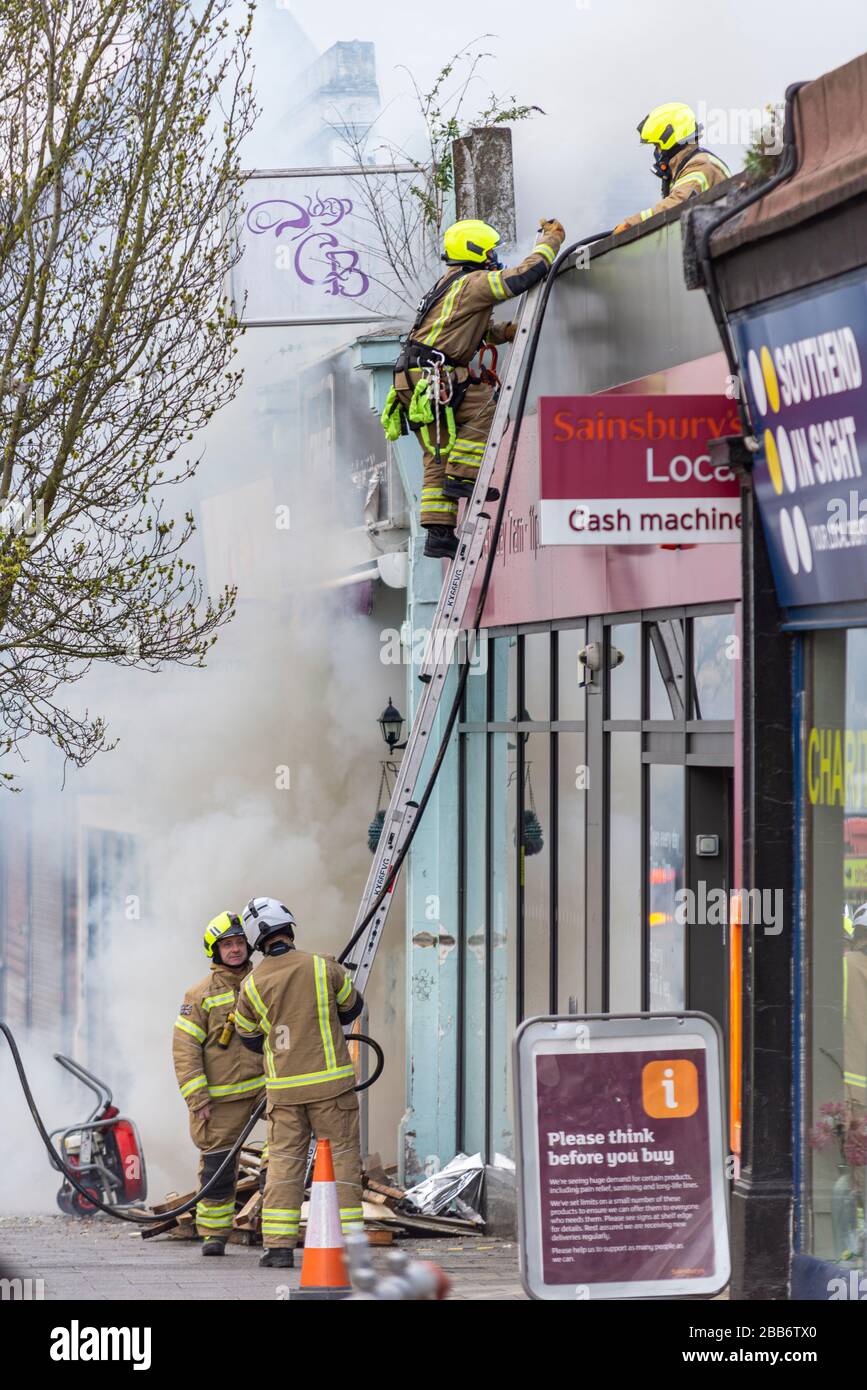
{"x": 433, "y": 1207}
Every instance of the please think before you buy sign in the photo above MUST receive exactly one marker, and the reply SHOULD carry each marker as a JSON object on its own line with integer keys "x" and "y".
{"x": 621, "y": 1175}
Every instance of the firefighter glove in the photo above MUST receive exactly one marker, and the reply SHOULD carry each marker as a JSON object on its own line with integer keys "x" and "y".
{"x": 549, "y": 226}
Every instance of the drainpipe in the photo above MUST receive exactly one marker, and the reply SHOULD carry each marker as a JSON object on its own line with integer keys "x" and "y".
{"x": 763, "y": 1192}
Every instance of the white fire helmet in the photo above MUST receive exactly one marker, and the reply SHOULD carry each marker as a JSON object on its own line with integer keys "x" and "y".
{"x": 266, "y": 916}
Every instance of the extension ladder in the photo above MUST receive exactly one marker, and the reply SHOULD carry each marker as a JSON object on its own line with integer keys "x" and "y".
{"x": 442, "y": 643}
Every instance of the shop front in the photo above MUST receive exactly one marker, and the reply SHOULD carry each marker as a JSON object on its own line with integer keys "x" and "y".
{"x": 790, "y": 273}
{"x": 596, "y": 760}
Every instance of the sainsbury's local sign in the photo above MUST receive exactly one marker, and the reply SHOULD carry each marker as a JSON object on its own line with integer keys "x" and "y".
{"x": 635, "y": 470}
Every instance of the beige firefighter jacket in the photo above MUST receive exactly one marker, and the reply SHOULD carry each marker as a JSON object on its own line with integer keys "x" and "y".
{"x": 459, "y": 321}
{"x": 292, "y": 1000}
{"x": 855, "y": 1025}
{"x": 207, "y": 1072}
{"x": 689, "y": 176}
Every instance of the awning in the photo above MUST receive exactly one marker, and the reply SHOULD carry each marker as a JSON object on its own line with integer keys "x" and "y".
{"x": 814, "y": 225}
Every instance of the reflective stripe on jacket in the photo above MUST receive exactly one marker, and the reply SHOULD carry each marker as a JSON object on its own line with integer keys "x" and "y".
{"x": 292, "y": 1001}
{"x": 459, "y": 321}
{"x": 700, "y": 171}
{"x": 205, "y": 1071}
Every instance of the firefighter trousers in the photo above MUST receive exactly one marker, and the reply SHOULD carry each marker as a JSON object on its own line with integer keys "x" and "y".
{"x": 473, "y": 419}
{"x": 289, "y": 1131}
{"x": 214, "y": 1138}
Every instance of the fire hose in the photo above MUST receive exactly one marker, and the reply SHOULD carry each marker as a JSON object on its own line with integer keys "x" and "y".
{"x": 142, "y": 1218}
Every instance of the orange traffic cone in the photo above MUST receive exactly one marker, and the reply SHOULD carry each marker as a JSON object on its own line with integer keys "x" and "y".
{"x": 323, "y": 1269}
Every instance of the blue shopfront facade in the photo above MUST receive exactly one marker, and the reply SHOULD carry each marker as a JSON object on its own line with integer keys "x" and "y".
{"x": 803, "y": 357}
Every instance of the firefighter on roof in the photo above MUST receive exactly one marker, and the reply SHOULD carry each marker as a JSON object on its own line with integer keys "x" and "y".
{"x": 220, "y": 1080}
{"x": 293, "y": 1009}
{"x": 678, "y": 160}
{"x": 434, "y": 391}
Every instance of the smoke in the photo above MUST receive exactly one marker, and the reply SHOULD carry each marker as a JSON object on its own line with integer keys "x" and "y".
{"x": 596, "y": 67}
{"x": 29, "y": 1184}
{"x": 257, "y": 775}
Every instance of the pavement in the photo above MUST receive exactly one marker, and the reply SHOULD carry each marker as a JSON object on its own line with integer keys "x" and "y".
{"x": 102, "y": 1259}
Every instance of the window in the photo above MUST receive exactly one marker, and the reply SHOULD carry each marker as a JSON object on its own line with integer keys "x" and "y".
{"x": 624, "y": 874}
{"x": 714, "y": 653}
{"x": 574, "y": 792}
{"x": 834, "y": 763}
{"x": 666, "y": 865}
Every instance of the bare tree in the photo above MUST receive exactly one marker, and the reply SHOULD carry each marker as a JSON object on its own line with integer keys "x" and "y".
{"x": 120, "y": 122}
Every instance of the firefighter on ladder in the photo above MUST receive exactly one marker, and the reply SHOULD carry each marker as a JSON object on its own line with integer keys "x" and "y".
{"x": 293, "y": 1008}
{"x": 678, "y": 159}
{"x": 434, "y": 393}
{"x": 220, "y": 1080}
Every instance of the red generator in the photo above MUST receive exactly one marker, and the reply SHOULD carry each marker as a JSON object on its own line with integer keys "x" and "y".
{"x": 104, "y": 1152}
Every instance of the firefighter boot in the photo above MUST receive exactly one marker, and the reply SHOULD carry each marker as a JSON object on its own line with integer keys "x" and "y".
{"x": 214, "y": 1245}
{"x": 441, "y": 543}
{"x": 278, "y": 1259}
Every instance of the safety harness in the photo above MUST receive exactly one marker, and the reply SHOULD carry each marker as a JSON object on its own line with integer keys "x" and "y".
{"x": 437, "y": 394}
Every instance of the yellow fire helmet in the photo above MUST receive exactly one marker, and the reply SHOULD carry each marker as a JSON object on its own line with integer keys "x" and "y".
{"x": 669, "y": 126}
{"x": 226, "y": 924}
{"x": 468, "y": 242}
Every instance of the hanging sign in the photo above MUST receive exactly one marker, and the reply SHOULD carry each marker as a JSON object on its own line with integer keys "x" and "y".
{"x": 324, "y": 246}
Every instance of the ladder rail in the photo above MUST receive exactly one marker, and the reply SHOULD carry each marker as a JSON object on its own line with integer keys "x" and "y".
{"x": 440, "y": 649}
{"x": 403, "y": 812}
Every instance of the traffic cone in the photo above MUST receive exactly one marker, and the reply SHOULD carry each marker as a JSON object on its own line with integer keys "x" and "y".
{"x": 323, "y": 1269}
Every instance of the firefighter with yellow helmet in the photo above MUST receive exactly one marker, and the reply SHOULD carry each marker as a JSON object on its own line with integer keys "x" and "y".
{"x": 435, "y": 394}
{"x": 221, "y": 1081}
{"x": 678, "y": 159}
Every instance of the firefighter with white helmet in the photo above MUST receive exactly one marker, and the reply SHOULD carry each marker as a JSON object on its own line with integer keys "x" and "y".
{"x": 221, "y": 1081}
{"x": 293, "y": 1008}
{"x": 435, "y": 393}
{"x": 684, "y": 167}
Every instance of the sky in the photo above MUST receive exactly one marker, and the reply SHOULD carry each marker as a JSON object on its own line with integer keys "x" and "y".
{"x": 596, "y": 67}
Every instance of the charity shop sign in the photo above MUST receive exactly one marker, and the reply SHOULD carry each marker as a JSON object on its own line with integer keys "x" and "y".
{"x": 313, "y": 248}
{"x": 622, "y": 1190}
{"x": 803, "y": 363}
{"x": 635, "y": 470}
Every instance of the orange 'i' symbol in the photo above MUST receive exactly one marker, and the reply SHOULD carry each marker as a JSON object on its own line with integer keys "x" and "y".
{"x": 669, "y": 1089}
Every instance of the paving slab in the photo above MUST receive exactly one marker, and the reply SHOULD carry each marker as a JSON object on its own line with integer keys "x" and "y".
{"x": 99, "y": 1259}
